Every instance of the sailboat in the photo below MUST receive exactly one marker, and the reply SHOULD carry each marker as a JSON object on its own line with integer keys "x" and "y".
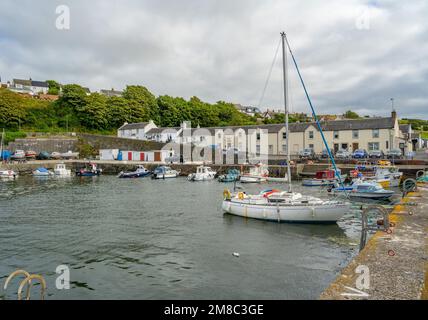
{"x": 287, "y": 206}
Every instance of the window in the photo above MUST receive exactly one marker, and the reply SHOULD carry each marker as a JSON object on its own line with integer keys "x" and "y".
{"x": 270, "y": 148}
{"x": 387, "y": 144}
{"x": 258, "y": 149}
{"x": 375, "y": 133}
{"x": 355, "y": 134}
{"x": 284, "y": 135}
{"x": 373, "y": 146}
{"x": 240, "y": 134}
{"x": 311, "y": 146}
{"x": 284, "y": 148}
{"x": 335, "y": 134}
{"x": 219, "y": 135}
{"x": 311, "y": 134}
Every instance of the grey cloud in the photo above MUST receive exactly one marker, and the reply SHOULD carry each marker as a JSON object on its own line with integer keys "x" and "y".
{"x": 222, "y": 50}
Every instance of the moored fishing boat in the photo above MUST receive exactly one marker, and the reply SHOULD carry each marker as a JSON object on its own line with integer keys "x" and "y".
{"x": 8, "y": 174}
{"x": 30, "y": 155}
{"x": 42, "y": 172}
{"x": 231, "y": 176}
{"x": 323, "y": 178}
{"x": 140, "y": 172}
{"x": 203, "y": 173}
{"x": 164, "y": 172}
{"x": 90, "y": 170}
{"x": 18, "y": 155}
{"x": 61, "y": 170}
{"x": 363, "y": 189}
{"x": 257, "y": 174}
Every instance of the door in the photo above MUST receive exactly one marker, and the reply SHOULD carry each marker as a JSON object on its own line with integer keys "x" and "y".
{"x": 141, "y": 156}
{"x": 157, "y": 156}
{"x": 355, "y": 146}
{"x": 130, "y": 155}
{"x": 336, "y": 147}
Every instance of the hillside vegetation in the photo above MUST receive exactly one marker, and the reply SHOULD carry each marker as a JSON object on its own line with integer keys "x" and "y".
{"x": 77, "y": 111}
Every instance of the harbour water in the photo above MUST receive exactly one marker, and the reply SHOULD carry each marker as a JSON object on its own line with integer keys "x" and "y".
{"x": 147, "y": 239}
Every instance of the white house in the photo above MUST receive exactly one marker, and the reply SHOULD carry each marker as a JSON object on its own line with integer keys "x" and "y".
{"x": 135, "y": 130}
{"x": 29, "y": 86}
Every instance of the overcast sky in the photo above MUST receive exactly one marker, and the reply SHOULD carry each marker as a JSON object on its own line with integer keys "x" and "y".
{"x": 353, "y": 54}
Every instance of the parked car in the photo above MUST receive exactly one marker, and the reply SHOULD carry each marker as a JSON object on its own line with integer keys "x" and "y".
{"x": 376, "y": 154}
{"x": 307, "y": 153}
{"x": 394, "y": 154}
{"x": 360, "y": 154}
{"x": 343, "y": 154}
{"x": 324, "y": 154}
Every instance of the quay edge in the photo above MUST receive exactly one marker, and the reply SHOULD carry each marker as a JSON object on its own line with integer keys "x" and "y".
{"x": 397, "y": 262}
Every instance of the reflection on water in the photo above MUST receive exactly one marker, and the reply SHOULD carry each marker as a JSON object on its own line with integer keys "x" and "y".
{"x": 147, "y": 239}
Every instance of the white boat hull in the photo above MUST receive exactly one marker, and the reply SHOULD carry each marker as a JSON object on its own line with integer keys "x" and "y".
{"x": 165, "y": 176}
{"x": 288, "y": 213}
{"x": 8, "y": 174}
{"x": 196, "y": 177}
{"x": 252, "y": 179}
{"x": 62, "y": 173}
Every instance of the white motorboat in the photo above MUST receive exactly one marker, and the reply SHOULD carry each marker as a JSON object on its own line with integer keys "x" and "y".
{"x": 274, "y": 205}
{"x": 164, "y": 172}
{"x": 387, "y": 177}
{"x": 258, "y": 173}
{"x": 70, "y": 155}
{"x": 42, "y": 172}
{"x": 363, "y": 189}
{"x": 140, "y": 172}
{"x": 61, "y": 170}
{"x": 203, "y": 173}
{"x": 8, "y": 174}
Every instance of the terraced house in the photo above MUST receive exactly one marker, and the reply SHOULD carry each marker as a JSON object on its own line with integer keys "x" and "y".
{"x": 381, "y": 133}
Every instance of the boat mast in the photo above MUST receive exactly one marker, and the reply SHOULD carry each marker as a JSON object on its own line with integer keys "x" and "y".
{"x": 285, "y": 75}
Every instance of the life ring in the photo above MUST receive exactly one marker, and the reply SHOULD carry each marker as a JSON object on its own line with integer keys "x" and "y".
{"x": 226, "y": 194}
{"x": 240, "y": 195}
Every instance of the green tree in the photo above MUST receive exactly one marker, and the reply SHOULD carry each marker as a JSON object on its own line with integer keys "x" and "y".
{"x": 12, "y": 110}
{"x": 54, "y": 87}
{"x": 93, "y": 113}
{"x": 119, "y": 112}
{"x": 146, "y": 101}
{"x": 73, "y": 98}
{"x": 173, "y": 111}
{"x": 351, "y": 115}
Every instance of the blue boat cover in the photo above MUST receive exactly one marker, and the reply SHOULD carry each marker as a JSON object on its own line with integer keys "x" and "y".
{"x": 42, "y": 169}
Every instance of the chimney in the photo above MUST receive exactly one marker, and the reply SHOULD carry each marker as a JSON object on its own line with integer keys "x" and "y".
{"x": 394, "y": 114}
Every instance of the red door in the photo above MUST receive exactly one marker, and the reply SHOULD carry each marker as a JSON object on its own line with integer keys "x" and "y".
{"x": 157, "y": 156}
{"x": 141, "y": 156}
{"x": 129, "y": 155}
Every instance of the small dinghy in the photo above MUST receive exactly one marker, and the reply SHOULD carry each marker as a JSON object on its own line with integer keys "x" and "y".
{"x": 257, "y": 174}
{"x": 42, "y": 172}
{"x": 90, "y": 170}
{"x": 30, "y": 155}
{"x": 8, "y": 174}
{"x": 164, "y": 172}
{"x": 231, "y": 176}
{"x": 140, "y": 172}
{"x": 324, "y": 178}
{"x": 61, "y": 170}
{"x": 363, "y": 189}
{"x": 18, "y": 155}
{"x": 203, "y": 173}
{"x": 283, "y": 206}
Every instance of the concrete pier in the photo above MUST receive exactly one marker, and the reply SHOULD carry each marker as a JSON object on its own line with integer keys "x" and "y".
{"x": 397, "y": 261}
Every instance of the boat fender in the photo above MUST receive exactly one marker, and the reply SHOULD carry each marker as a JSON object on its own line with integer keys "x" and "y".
{"x": 226, "y": 194}
{"x": 240, "y": 195}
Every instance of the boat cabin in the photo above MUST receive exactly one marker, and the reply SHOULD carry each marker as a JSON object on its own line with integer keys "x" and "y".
{"x": 203, "y": 169}
{"x": 325, "y": 174}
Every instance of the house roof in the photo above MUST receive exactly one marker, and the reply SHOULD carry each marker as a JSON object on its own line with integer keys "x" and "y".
{"x": 130, "y": 126}
{"x": 405, "y": 128}
{"x": 163, "y": 130}
{"x": 30, "y": 82}
{"x": 111, "y": 92}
